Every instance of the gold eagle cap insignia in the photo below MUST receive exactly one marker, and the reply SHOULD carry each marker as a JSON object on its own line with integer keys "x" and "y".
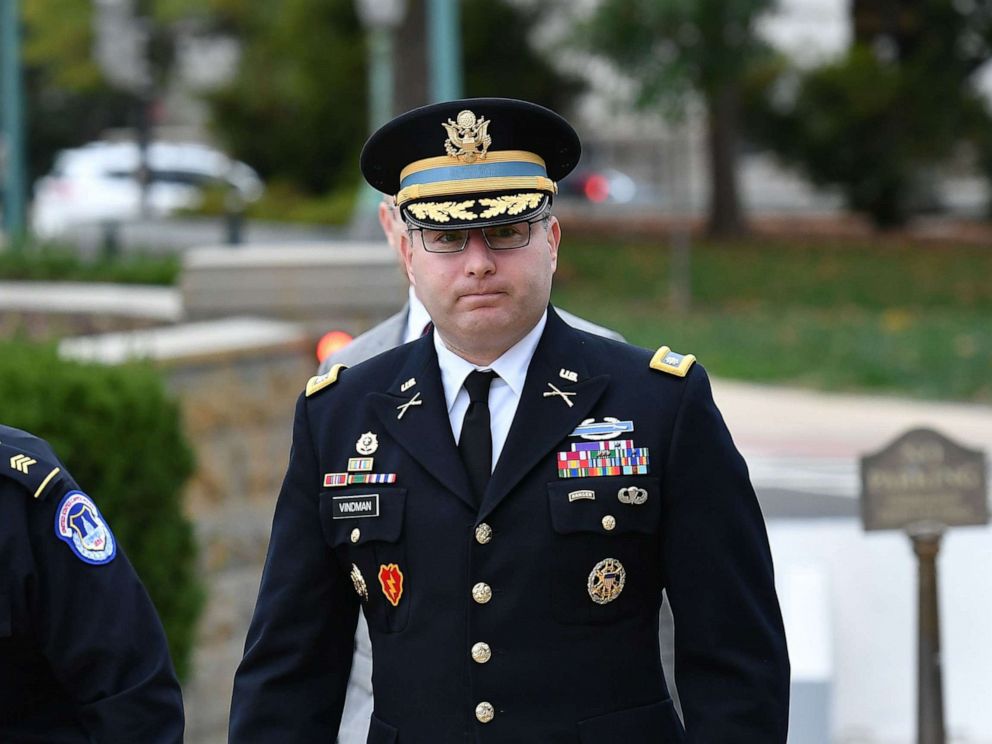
{"x": 468, "y": 137}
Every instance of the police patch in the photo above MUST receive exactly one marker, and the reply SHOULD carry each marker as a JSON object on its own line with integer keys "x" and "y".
{"x": 351, "y": 507}
{"x": 81, "y": 526}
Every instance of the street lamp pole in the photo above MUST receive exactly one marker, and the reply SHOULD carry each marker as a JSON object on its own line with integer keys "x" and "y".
{"x": 380, "y": 18}
{"x": 12, "y": 95}
{"x": 444, "y": 37}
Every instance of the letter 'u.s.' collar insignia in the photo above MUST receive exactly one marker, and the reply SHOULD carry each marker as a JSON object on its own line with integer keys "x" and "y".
{"x": 79, "y": 524}
{"x": 610, "y": 428}
{"x": 666, "y": 360}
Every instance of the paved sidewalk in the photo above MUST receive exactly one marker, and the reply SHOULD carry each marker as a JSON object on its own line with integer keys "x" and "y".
{"x": 803, "y": 447}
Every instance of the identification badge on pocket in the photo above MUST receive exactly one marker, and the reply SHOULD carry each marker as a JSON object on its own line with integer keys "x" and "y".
{"x": 352, "y": 507}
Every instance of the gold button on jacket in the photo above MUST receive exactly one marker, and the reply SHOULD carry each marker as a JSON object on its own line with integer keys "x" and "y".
{"x": 482, "y": 592}
{"x": 485, "y": 712}
{"x": 481, "y": 653}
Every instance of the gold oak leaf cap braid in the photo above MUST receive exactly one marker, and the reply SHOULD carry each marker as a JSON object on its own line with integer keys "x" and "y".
{"x": 472, "y": 163}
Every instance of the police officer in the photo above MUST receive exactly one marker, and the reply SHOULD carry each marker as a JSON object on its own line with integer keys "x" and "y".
{"x": 83, "y": 657}
{"x": 505, "y": 498}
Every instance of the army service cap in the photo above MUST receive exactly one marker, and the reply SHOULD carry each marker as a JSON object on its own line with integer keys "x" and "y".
{"x": 471, "y": 163}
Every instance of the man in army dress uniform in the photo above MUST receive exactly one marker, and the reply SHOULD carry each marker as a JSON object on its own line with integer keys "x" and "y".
{"x": 83, "y": 657}
{"x": 407, "y": 325}
{"x": 505, "y": 498}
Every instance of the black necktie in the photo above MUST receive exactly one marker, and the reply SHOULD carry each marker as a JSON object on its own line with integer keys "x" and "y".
{"x": 476, "y": 442}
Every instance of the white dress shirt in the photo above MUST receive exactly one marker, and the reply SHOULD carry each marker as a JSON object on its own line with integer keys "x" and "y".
{"x": 416, "y": 320}
{"x": 504, "y": 394}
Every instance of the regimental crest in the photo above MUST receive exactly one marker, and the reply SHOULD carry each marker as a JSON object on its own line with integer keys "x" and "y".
{"x": 367, "y": 444}
{"x": 81, "y": 526}
{"x": 468, "y": 137}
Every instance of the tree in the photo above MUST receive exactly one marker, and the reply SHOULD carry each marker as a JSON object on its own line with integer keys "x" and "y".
{"x": 67, "y": 100}
{"x": 297, "y": 109}
{"x": 506, "y": 63}
{"x": 878, "y": 121}
{"x": 674, "y": 48}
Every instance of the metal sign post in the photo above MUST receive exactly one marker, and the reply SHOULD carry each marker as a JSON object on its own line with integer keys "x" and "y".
{"x": 930, "y": 689}
{"x": 923, "y": 483}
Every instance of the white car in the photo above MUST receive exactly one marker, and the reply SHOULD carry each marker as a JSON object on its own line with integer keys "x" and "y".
{"x": 98, "y": 183}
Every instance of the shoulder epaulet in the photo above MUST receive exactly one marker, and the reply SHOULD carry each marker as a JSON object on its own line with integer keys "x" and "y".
{"x": 319, "y": 382}
{"x": 35, "y": 474}
{"x": 666, "y": 360}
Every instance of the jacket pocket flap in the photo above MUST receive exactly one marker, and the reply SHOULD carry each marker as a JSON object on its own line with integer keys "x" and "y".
{"x": 360, "y": 515}
{"x": 606, "y": 505}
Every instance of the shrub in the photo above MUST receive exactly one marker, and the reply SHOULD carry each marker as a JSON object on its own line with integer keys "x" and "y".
{"x": 119, "y": 434}
{"x": 52, "y": 262}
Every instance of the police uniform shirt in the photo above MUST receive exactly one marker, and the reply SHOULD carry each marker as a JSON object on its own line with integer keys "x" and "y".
{"x": 83, "y": 657}
{"x": 504, "y": 394}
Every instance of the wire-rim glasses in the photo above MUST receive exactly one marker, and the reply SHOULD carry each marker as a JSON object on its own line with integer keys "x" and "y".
{"x": 497, "y": 237}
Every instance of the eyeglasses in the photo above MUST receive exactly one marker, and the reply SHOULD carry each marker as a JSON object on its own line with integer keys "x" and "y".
{"x": 497, "y": 237}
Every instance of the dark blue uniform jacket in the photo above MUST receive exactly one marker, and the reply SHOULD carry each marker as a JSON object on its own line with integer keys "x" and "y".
{"x": 83, "y": 657}
{"x": 562, "y": 669}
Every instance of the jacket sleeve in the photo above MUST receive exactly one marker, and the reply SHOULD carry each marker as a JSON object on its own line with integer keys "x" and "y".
{"x": 99, "y": 631}
{"x": 290, "y": 685}
{"x": 731, "y": 662}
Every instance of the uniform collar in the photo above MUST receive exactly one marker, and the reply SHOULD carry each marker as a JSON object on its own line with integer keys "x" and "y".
{"x": 511, "y": 366}
{"x": 416, "y": 319}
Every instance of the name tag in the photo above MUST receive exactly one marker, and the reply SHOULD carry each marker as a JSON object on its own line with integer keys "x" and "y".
{"x": 351, "y": 507}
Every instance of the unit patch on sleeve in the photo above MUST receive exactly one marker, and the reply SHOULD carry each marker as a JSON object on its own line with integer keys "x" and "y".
{"x": 81, "y": 526}
{"x": 352, "y": 507}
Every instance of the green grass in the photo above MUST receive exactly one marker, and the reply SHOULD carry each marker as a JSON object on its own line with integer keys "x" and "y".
{"x": 51, "y": 263}
{"x": 910, "y": 320}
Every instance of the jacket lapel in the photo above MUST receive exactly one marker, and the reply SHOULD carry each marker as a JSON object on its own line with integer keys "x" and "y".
{"x": 543, "y": 421}
{"x": 423, "y": 428}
